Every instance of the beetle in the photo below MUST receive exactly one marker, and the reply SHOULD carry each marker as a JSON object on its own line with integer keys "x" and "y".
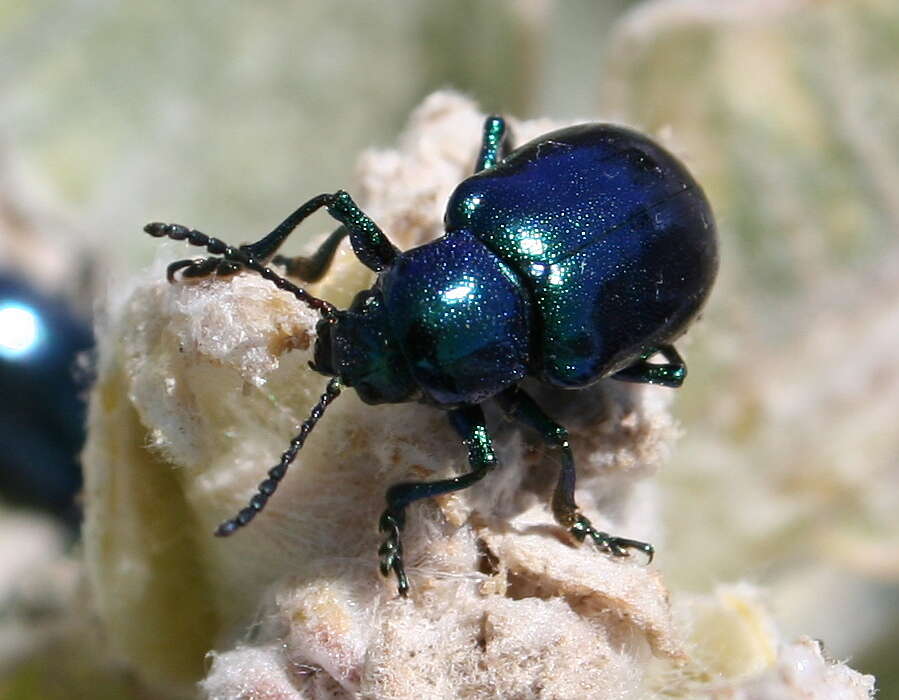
{"x": 42, "y": 420}
{"x": 577, "y": 256}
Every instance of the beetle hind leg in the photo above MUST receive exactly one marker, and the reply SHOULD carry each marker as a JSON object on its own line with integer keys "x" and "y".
{"x": 518, "y": 405}
{"x": 671, "y": 374}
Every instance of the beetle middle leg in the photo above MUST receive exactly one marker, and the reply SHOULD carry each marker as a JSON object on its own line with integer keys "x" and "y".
{"x": 518, "y": 405}
{"x": 470, "y": 424}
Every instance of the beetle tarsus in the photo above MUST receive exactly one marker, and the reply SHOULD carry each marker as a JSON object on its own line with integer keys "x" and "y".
{"x": 197, "y": 268}
{"x": 230, "y": 260}
{"x": 616, "y": 546}
{"x": 390, "y": 552}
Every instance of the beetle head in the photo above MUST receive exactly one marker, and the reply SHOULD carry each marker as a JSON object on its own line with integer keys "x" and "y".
{"x": 356, "y": 346}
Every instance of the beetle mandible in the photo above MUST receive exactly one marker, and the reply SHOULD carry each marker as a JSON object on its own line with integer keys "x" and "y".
{"x": 577, "y": 256}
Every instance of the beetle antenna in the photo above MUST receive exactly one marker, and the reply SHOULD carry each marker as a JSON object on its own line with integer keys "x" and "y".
{"x": 267, "y": 487}
{"x": 181, "y": 233}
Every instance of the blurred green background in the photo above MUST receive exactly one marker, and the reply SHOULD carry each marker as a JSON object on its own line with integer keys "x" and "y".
{"x": 226, "y": 115}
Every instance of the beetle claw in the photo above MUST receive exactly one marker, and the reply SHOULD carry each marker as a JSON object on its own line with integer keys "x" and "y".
{"x": 390, "y": 553}
{"x": 616, "y": 546}
{"x": 202, "y": 267}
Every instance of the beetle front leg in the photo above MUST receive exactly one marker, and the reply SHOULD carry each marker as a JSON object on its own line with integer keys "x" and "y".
{"x": 309, "y": 268}
{"x": 261, "y": 251}
{"x": 470, "y": 424}
{"x": 517, "y": 404}
{"x": 370, "y": 244}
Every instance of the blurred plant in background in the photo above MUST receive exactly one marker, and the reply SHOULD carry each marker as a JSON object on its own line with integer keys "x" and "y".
{"x": 787, "y": 111}
{"x": 790, "y": 111}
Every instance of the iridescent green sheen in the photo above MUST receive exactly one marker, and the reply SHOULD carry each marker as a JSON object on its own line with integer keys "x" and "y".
{"x": 370, "y": 244}
{"x": 610, "y": 234}
{"x": 364, "y": 350}
{"x": 494, "y": 131}
{"x": 461, "y": 317}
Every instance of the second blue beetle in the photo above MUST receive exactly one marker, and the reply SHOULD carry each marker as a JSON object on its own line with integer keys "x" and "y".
{"x": 577, "y": 256}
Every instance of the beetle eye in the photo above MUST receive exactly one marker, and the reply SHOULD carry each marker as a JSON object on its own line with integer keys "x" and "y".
{"x": 323, "y": 355}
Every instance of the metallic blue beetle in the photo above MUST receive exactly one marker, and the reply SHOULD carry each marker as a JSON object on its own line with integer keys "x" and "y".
{"x": 41, "y": 415}
{"x": 577, "y": 256}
